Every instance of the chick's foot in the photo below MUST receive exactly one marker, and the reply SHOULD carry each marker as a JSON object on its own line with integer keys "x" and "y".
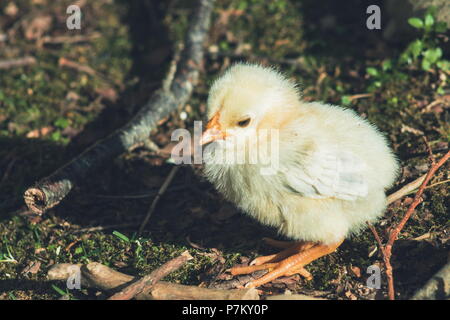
{"x": 286, "y": 263}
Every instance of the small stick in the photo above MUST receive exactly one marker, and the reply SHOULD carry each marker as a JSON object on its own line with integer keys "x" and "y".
{"x": 63, "y": 62}
{"x": 407, "y": 189}
{"x": 161, "y": 192}
{"x": 386, "y": 250}
{"x": 147, "y": 282}
{"x": 18, "y": 62}
{"x": 69, "y": 39}
{"x": 432, "y": 104}
{"x": 437, "y": 183}
{"x": 410, "y": 188}
{"x": 417, "y": 198}
{"x": 96, "y": 275}
{"x": 359, "y": 96}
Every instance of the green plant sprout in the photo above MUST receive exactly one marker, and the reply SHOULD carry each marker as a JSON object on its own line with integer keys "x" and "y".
{"x": 7, "y": 256}
{"x": 426, "y": 49}
{"x": 423, "y": 53}
{"x": 133, "y": 240}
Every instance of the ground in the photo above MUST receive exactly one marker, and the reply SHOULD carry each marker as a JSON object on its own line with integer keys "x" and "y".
{"x": 49, "y": 113}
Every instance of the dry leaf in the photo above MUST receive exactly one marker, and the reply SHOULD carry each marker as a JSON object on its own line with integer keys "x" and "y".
{"x": 32, "y": 267}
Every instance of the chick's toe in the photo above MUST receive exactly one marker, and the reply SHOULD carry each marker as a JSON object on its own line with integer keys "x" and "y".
{"x": 293, "y": 264}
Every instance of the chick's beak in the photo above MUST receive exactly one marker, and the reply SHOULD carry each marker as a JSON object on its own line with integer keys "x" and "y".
{"x": 213, "y": 131}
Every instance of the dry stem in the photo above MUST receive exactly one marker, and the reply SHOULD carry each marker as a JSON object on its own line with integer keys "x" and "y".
{"x": 386, "y": 250}
{"x": 146, "y": 283}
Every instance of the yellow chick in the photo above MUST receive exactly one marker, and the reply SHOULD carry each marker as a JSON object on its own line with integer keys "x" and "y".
{"x": 329, "y": 168}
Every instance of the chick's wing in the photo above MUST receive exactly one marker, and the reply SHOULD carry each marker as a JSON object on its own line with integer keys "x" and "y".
{"x": 327, "y": 173}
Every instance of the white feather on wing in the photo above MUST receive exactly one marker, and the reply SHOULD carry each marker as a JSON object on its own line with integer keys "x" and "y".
{"x": 328, "y": 173}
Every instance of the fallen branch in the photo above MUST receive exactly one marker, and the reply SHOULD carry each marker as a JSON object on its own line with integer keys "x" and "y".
{"x": 407, "y": 189}
{"x": 96, "y": 275}
{"x": 410, "y": 188}
{"x": 386, "y": 250}
{"x": 18, "y": 62}
{"x": 147, "y": 282}
{"x": 51, "y": 190}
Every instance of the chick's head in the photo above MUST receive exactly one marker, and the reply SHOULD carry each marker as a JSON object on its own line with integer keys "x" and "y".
{"x": 246, "y": 99}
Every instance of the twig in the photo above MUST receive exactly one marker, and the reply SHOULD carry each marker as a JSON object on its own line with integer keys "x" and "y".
{"x": 51, "y": 190}
{"x": 386, "y": 249}
{"x": 432, "y": 104}
{"x": 68, "y": 39}
{"x": 18, "y": 62}
{"x": 437, "y": 183}
{"x": 405, "y": 190}
{"x": 410, "y": 188}
{"x": 147, "y": 282}
{"x": 63, "y": 62}
{"x": 96, "y": 275}
{"x": 417, "y": 198}
{"x": 167, "y": 81}
{"x": 155, "y": 201}
{"x": 359, "y": 96}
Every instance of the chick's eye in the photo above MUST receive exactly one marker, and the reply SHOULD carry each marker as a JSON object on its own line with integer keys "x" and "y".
{"x": 244, "y": 123}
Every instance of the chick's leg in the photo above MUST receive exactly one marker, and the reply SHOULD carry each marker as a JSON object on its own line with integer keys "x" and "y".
{"x": 271, "y": 261}
{"x": 293, "y": 264}
{"x": 296, "y": 248}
